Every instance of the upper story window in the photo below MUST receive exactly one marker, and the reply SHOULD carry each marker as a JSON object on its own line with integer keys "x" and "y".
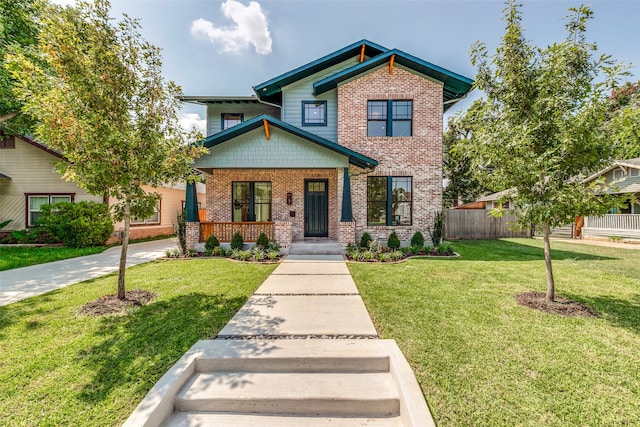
{"x": 389, "y": 118}
{"x": 314, "y": 113}
{"x": 634, "y": 172}
{"x": 231, "y": 119}
{"x": 618, "y": 174}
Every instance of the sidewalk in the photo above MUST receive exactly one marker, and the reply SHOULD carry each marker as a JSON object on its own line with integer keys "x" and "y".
{"x": 594, "y": 242}
{"x": 20, "y": 283}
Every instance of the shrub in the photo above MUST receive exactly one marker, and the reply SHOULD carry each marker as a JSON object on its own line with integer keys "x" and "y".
{"x": 273, "y": 255}
{"x": 437, "y": 233}
{"x": 396, "y": 255}
{"x": 263, "y": 241}
{"x": 445, "y": 249}
{"x": 365, "y": 240}
{"x": 210, "y": 243}
{"x": 236, "y": 241}
{"x": 394, "y": 242}
{"x": 417, "y": 240}
{"x": 78, "y": 225}
{"x": 180, "y": 228}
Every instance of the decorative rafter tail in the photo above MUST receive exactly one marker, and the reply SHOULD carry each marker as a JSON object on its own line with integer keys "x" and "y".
{"x": 362, "y": 53}
{"x": 266, "y": 129}
{"x": 391, "y": 61}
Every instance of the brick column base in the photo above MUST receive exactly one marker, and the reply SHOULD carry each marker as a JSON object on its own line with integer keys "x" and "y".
{"x": 283, "y": 233}
{"x": 192, "y": 234}
{"x": 346, "y": 233}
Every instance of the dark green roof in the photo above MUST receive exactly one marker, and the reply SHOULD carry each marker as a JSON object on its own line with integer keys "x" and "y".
{"x": 455, "y": 85}
{"x": 270, "y": 90}
{"x": 256, "y": 122}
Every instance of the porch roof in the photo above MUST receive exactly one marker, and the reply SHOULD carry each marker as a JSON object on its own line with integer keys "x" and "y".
{"x": 456, "y": 86}
{"x": 354, "y": 157}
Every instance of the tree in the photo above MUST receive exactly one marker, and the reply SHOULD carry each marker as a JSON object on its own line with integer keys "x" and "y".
{"x": 18, "y": 32}
{"x": 457, "y": 160}
{"x": 540, "y": 126}
{"x": 102, "y": 102}
{"x": 623, "y": 125}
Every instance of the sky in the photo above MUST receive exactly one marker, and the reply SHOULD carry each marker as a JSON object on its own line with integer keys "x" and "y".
{"x": 227, "y": 47}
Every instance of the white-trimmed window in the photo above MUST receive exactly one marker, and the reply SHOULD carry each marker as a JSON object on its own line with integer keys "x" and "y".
{"x": 150, "y": 220}
{"x": 634, "y": 172}
{"x": 36, "y": 201}
{"x": 618, "y": 174}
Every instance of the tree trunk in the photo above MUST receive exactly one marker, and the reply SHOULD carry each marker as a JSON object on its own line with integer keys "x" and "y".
{"x": 551, "y": 286}
{"x": 123, "y": 252}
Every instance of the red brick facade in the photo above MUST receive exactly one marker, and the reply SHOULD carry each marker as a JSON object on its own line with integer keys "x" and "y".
{"x": 418, "y": 156}
{"x": 283, "y": 181}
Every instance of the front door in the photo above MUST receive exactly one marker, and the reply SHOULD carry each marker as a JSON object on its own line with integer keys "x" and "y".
{"x": 316, "y": 208}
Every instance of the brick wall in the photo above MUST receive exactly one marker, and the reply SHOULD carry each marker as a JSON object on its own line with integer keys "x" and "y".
{"x": 192, "y": 234}
{"x": 418, "y": 156}
{"x": 283, "y": 181}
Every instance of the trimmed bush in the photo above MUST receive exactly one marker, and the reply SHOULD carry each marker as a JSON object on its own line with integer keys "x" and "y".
{"x": 417, "y": 240}
{"x": 78, "y": 225}
{"x": 394, "y": 242}
{"x": 180, "y": 228}
{"x": 211, "y": 243}
{"x": 365, "y": 240}
{"x": 237, "y": 242}
{"x": 263, "y": 241}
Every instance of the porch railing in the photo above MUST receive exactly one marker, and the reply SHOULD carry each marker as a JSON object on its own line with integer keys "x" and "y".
{"x": 617, "y": 221}
{"x": 224, "y": 231}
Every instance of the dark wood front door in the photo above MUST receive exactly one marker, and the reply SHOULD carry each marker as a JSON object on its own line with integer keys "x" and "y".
{"x": 316, "y": 208}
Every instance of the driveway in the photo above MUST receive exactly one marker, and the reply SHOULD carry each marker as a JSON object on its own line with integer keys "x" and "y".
{"x": 25, "y": 282}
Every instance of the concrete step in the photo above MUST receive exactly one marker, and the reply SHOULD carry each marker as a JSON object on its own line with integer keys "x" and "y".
{"x": 315, "y": 247}
{"x": 321, "y": 394}
{"x": 184, "y": 419}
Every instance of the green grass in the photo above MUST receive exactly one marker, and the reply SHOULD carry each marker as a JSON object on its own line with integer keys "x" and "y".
{"x": 60, "y": 368}
{"x": 482, "y": 359}
{"x": 22, "y": 256}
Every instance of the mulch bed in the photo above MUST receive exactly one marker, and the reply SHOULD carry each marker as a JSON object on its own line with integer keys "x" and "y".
{"x": 110, "y": 304}
{"x": 561, "y": 306}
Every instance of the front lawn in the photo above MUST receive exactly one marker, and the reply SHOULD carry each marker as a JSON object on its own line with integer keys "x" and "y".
{"x": 482, "y": 359}
{"x": 23, "y": 256}
{"x": 60, "y": 368}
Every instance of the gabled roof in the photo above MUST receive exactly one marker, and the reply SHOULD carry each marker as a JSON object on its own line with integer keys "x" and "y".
{"x": 257, "y": 122}
{"x": 455, "y": 85}
{"x": 4, "y": 177}
{"x": 41, "y": 147}
{"x": 496, "y": 196}
{"x": 629, "y": 163}
{"x": 270, "y": 90}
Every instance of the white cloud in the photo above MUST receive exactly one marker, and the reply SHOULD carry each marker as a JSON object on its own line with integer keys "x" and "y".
{"x": 251, "y": 28}
{"x": 189, "y": 121}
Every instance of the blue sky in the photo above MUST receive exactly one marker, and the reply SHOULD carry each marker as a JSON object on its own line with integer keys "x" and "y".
{"x": 226, "y": 47}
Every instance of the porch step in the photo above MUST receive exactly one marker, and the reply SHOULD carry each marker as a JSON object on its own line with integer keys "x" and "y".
{"x": 184, "y": 419}
{"x": 322, "y": 394}
{"x": 315, "y": 247}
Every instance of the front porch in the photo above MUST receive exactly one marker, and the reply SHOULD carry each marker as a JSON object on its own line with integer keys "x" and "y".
{"x": 625, "y": 226}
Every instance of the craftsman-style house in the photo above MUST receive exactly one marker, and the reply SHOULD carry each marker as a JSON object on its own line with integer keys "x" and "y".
{"x": 346, "y": 144}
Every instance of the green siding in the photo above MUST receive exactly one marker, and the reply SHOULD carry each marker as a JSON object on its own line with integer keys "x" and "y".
{"x": 283, "y": 150}
{"x": 302, "y": 90}
{"x": 629, "y": 184}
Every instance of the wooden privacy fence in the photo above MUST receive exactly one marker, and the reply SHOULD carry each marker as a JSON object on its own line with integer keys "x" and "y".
{"x": 477, "y": 224}
{"x": 224, "y": 231}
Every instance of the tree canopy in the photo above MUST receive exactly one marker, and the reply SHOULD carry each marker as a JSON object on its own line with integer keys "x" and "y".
{"x": 539, "y": 127}
{"x": 623, "y": 124}
{"x": 98, "y": 96}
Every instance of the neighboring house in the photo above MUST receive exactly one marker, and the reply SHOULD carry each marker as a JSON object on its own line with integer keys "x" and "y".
{"x": 624, "y": 178}
{"x": 488, "y": 202}
{"x": 28, "y": 180}
{"x": 346, "y": 144}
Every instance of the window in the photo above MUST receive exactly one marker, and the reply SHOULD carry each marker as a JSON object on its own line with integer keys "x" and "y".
{"x": 389, "y": 200}
{"x": 381, "y": 123}
{"x": 634, "y": 172}
{"x": 231, "y": 119}
{"x": 314, "y": 113}
{"x": 251, "y": 201}
{"x": 618, "y": 174}
{"x": 36, "y": 201}
{"x": 7, "y": 143}
{"x": 152, "y": 219}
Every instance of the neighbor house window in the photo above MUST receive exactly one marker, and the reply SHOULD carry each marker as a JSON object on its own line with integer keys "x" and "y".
{"x": 389, "y": 200}
{"x": 634, "y": 172}
{"x": 151, "y": 219}
{"x": 389, "y": 118}
{"x": 618, "y": 174}
{"x": 231, "y": 119}
{"x": 314, "y": 113}
{"x": 36, "y": 201}
{"x": 251, "y": 201}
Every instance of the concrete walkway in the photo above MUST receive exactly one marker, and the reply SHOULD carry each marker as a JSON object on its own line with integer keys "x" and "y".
{"x": 20, "y": 283}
